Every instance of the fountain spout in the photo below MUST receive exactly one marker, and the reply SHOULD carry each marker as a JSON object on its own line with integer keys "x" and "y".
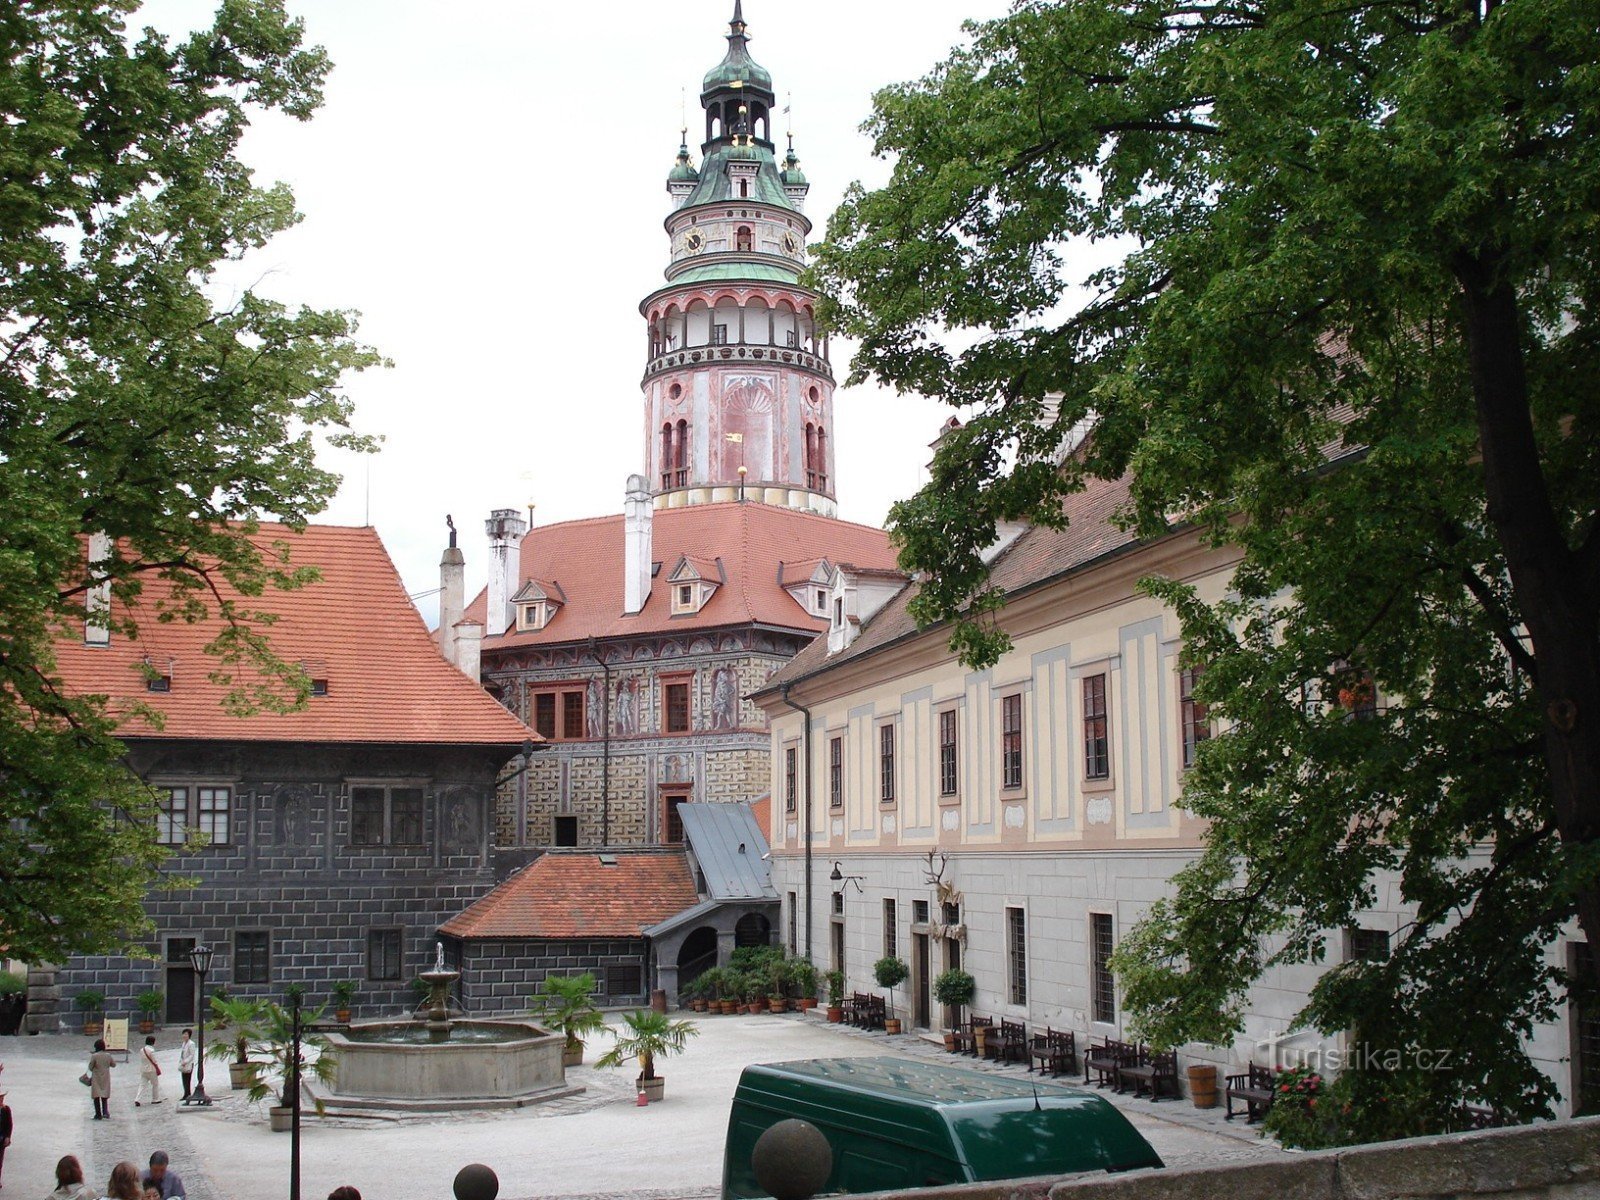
{"x": 439, "y": 980}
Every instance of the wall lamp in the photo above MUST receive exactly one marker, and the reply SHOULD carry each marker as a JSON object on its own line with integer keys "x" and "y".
{"x": 839, "y": 877}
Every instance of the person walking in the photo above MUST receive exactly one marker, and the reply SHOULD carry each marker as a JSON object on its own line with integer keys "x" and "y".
{"x": 149, "y": 1073}
{"x": 186, "y": 1057}
{"x": 5, "y": 1129}
{"x": 100, "y": 1064}
{"x": 124, "y": 1184}
{"x": 69, "y": 1180}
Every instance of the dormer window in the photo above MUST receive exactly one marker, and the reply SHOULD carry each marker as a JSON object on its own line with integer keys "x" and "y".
{"x": 693, "y": 581}
{"x": 158, "y": 683}
{"x": 537, "y": 604}
{"x": 157, "y": 675}
{"x": 533, "y": 617}
{"x": 685, "y": 596}
{"x": 820, "y": 601}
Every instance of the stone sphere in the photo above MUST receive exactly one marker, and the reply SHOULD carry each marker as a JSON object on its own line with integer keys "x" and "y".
{"x": 792, "y": 1160}
{"x": 476, "y": 1182}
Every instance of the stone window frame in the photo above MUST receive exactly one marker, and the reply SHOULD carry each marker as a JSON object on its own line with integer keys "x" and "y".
{"x": 1102, "y": 981}
{"x": 375, "y": 973}
{"x": 1194, "y": 725}
{"x": 388, "y": 786}
{"x": 1013, "y": 782}
{"x": 241, "y": 957}
{"x": 952, "y": 710}
{"x": 670, "y": 679}
{"x": 560, "y": 690}
{"x": 791, "y": 776}
{"x": 837, "y": 761}
{"x": 1016, "y": 938}
{"x": 888, "y": 762}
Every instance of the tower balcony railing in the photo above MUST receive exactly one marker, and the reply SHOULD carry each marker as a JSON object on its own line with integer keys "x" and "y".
{"x": 739, "y": 352}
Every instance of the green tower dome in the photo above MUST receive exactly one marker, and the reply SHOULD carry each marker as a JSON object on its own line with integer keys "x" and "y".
{"x": 737, "y": 66}
{"x": 683, "y": 170}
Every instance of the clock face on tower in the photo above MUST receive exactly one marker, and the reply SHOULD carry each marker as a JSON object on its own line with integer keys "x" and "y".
{"x": 692, "y": 241}
{"x": 791, "y": 244}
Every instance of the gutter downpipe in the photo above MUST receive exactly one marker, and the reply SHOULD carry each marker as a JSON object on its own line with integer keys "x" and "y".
{"x": 605, "y": 734}
{"x": 783, "y": 692}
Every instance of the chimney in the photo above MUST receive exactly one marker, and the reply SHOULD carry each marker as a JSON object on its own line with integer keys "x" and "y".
{"x": 469, "y": 648}
{"x": 452, "y": 593}
{"x": 505, "y": 528}
{"x": 637, "y": 564}
{"x": 97, "y": 601}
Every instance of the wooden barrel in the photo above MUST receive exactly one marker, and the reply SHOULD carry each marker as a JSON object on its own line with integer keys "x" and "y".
{"x": 1203, "y": 1086}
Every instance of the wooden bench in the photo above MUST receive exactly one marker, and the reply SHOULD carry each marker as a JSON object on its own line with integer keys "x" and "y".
{"x": 1053, "y": 1050}
{"x": 873, "y": 1014}
{"x": 1011, "y": 1041}
{"x": 967, "y": 1036}
{"x": 1152, "y": 1072}
{"x": 1102, "y": 1061}
{"x": 1254, "y": 1087}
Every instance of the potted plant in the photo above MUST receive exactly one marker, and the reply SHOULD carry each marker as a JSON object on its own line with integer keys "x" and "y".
{"x": 273, "y": 1072}
{"x": 566, "y": 1004}
{"x": 755, "y": 992}
{"x": 708, "y": 988}
{"x": 242, "y": 1018}
{"x": 91, "y": 1004}
{"x": 148, "y": 1004}
{"x": 732, "y": 987}
{"x": 803, "y": 977}
{"x": 647, "y": 1036}
{"x": 835, "y": 981}
{"x": 890, "y": 972}
{"x": 344, "y": 995}
{"x": 954, "y": 989}
{"x": 778, "y": 985}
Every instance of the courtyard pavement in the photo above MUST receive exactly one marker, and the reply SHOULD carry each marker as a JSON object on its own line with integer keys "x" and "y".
{"x": 597, "y": 1144}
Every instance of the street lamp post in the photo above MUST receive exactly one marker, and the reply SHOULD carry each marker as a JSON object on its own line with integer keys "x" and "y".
{"x": 200, "y": 960}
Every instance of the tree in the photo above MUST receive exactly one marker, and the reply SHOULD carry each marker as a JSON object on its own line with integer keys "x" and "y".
{"x": 132, "y": 407}
{"x": 1345, "y": 320}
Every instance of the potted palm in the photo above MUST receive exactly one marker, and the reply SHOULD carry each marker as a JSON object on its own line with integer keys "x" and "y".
{"x": 709, "y": 987}
{"x": 647, "y": 1036}
{"x": 273, "y": 1072}
{"x": 344, "y": 995}
{"x": 890, "y": 972}
{"x": 148, "y": 1004}
{"x": 91, "y": 1004}
{"x": 954, "y": 989}
{"x": 803, "y": 976}
{"x": 835, "y": 981}
{"x": 566, "y": 1004}
{"x": 242, "y": 1018}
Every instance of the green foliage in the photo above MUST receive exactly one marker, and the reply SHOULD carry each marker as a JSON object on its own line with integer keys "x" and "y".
{"x": 13, "y": 983}
{"x": 647, "y": 1036}
{"x": 273, "y": 1066}
{"x": 954, "y": 987}
{"x": 149, "y": 1002}
{"x": 566, "y": 1003}
{"x": 242, "y": 1017}
{"x": 1302, "y": 1115}
{"x": 755, "y": 958}
{"x": 890, "y": 972}
{"x": 1239, "y": 240}
{"x": 344, "y": 993}
{"x": 803, "y": 977}
{"x": 834, "y": 978}
{"x": 130, "y": 405}
{"x": 90, "y": 1001}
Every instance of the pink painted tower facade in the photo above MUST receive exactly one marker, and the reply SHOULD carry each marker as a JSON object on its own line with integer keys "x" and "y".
{"x": 738, "y": 390}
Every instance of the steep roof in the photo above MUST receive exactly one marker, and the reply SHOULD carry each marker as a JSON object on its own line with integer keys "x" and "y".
{"x": 564, "y": 894}
{"x": 752, "y": 540}
{"x": 354, "y": 627}
{"x": 728, "y": 845}
{"x": 1038, "y": 554}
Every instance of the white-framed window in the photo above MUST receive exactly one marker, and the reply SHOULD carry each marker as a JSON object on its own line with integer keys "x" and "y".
{"x": 205, "y": 809}
{"x": 1016, "y": 955}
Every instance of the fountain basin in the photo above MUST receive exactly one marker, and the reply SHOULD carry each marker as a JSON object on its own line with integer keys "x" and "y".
{"x": 387, "y": 1064}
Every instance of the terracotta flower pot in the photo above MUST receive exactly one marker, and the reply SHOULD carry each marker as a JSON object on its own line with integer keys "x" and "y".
{"x": 835, "y": 1014}
{"x": 755, "y": 1006}
{"x": 342, "y": 1015}
{"x": 808, "y": 1003}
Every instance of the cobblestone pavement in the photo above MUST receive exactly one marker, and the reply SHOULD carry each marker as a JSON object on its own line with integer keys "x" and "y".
{"x": 593, "y": 1146}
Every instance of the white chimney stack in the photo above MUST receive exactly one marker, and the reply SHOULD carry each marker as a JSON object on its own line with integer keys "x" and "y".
{"x": 452, "y": 594}
{"x": 505, "y": 528}
{"x": 637, "y": 564}
{"x": 97, "y": 602}
{"x": 469, "y": 648}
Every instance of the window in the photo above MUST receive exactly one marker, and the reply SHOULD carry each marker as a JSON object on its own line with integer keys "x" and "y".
{"x": 252, "y": 956}
{"x": 791, "y": 339}
{"x": 558, "y": 713}
{"x": 1017, "y": 955}
{"x": 719, "y": 335}
{"x": 1585, "y": 1024}
{"x": 791, "y": 771}
{"x": 919, "y": 912}
{"x": 1096, "y": 737}
{"x": 565, "y": 831}
{"x": 158, "y": 683}
{"x": 204, "y": 810}
{"x": 838, "y": 612}
{"x": 838, "y": 904}
{"x": 794, "y": 923}
{"x": 1011, "y": 740}
{"x": 672, "y": 821}
{"x": 886, "y": 764}
{"x": 1368, "y": 945}
{"x": 383, "y": 953}
{"x": 891, "y": 944}
{"x": 821, "y": 600}
{"x": 836, "y": 772}
{"x": 625, "y": 979}
{"x": 1358, "y": 695}
{"x": 741, "y": 238}
{"x": 675, "y": 708}
{"x": 1102, "y": 987}
{"x": 1191, "y": 714}
{"x": 947, "y": 752}
{"x": 686, "y": 595}
{"x": 385, "y": 816}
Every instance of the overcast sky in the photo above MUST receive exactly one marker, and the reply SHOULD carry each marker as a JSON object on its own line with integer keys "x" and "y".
{"x": 485, "y": 185}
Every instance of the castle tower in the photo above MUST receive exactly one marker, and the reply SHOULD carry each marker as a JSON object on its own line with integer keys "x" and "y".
{"x": 738, "y": 390}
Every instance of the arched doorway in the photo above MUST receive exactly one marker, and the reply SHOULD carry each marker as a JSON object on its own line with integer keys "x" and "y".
{"x": 697, "y": 954}
{"x": 753, "y": 929}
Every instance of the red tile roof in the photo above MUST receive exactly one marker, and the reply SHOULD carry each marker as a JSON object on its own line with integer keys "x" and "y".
{"x": 387, "y": 681}
{"x": 761, "y": 809}
{"x": 752, "y": 540}
{"x": 568, "y": 895}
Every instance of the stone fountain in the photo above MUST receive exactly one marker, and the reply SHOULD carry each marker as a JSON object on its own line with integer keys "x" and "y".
{"x": 440, "y": 1064}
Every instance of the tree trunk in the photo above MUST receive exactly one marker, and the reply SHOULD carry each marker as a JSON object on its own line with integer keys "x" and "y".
{"x": 1553, "y": 595}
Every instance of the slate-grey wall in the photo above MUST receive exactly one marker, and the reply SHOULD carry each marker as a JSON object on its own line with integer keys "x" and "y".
{"x": 501, "y": 975}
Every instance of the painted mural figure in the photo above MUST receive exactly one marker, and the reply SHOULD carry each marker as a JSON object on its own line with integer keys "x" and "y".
{"x": 594, "y": 714}
{"x": 625, "y": 707}
{"x": 725, "y": 700}
{"x": 292, "y": 819}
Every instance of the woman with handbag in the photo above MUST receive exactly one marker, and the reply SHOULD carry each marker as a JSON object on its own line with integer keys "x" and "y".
{"x": 98, "y": 1077}
{"x": 149, "y": 1073}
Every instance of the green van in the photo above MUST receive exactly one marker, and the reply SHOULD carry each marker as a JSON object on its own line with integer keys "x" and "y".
{"x": 900, "y": 1123}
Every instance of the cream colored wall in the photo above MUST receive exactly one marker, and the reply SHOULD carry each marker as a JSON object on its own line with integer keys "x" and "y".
{"x": 1132, "y": 639}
